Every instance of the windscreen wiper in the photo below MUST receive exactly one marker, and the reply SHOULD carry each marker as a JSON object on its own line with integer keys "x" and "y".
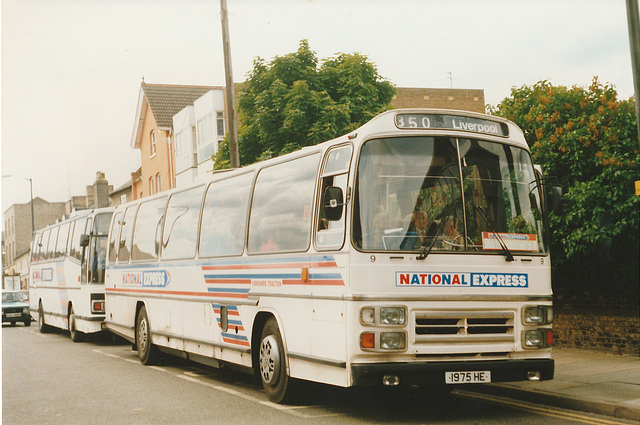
{"x": 431, "y": 233}
{"x": 505, "y": 250}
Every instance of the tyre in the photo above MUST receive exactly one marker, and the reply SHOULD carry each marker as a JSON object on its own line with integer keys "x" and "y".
{"x": 74, "y": 333}
{"x": 27, "y": 322}
{"x": 272, "y": 366}
{"x": 42, "y": 326}
{"x": 147, "y": 352}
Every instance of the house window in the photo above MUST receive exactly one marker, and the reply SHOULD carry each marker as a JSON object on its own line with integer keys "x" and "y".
{"x": 123, "y": 199}
{"x": 158, "y": 183}
{"x": 205, "y": 134}
{"x": 220, "y": 125}
{"x": 151, "y": 186}
{"x": 184, "y": 154}
{"x": 153, "y": 142}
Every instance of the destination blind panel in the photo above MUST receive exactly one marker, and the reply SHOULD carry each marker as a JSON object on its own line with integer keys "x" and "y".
{"x": 451, "y": 122}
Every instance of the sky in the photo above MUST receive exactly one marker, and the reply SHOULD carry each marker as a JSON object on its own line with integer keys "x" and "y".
{"x": 71, "y": 69}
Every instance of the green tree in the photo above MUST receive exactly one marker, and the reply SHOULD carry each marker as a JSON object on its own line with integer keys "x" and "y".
{"x": 587, "y": 138}
{"x": 293, "y": 101}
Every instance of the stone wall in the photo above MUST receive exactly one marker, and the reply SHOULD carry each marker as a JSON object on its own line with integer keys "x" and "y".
{"x": 615, "y": 332}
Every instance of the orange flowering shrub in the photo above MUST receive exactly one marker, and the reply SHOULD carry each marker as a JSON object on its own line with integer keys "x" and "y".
{"x": 587, "y": 138}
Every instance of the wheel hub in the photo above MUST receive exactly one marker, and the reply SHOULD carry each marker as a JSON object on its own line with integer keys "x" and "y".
{"x": 269, "y": 359}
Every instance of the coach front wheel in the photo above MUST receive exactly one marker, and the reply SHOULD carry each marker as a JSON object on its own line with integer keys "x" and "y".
{"x": 147, "y": 352}
{"x": 272, "y": 365}
{"x": 42, "y": 326}
{"x": 74, "y": 333}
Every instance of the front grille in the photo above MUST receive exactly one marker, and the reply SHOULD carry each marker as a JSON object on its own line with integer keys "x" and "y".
{"x": 464, "y": 326}
{"x": 9, "y": 310}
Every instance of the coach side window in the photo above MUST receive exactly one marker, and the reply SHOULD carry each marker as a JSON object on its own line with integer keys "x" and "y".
{"x": 181, "y": 224}
{"x": 224, "y": 218}
{"x": 282, "y": 204}
{"x": 148, "y": 230}
{"x": 124, "y": 245}
{"x": 61, "y": 246}
{"x": 35, "y": 246}
{"x": 335, "y": 174}
{"x": 51, "y": 246}
{"x": 42, "y": 253}
{"x": 114, "y": 236}
{"x": 76, "y": 250}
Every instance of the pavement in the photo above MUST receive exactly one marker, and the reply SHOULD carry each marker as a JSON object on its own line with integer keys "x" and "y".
{"x": 605, "y": 384}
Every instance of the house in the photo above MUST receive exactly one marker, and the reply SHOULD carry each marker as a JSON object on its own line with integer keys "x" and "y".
{"x": 198, "y": 128}
{"x": 153, "y": 134}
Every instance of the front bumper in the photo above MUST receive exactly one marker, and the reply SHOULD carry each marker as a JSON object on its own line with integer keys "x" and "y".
{"x": 432, "y": 373}
{"x": 16, "y": 319}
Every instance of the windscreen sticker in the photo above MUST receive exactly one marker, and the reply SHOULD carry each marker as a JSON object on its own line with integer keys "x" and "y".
{"x": 485, "y": 280}
{"x": 513, "y": 241}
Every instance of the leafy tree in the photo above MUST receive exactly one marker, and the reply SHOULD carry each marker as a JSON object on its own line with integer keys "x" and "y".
{"x": 587, "y": 138}
{"x": 293, "y": 102}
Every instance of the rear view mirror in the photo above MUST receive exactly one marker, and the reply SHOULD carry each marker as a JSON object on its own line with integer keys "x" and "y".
{"x": 84, "y": 240}
{"x": 333, "y": 203}
{"x": 557, "y": 200}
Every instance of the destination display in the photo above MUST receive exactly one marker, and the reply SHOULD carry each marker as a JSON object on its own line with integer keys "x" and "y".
{"x": 451, "y": 122}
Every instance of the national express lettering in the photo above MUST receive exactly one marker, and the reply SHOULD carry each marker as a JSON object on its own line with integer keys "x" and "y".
{"x": 488, "y": 280}
{"x": 160, "y": 278}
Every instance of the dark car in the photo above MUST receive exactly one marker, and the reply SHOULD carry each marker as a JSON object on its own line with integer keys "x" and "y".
{"x": 14, "y": 308}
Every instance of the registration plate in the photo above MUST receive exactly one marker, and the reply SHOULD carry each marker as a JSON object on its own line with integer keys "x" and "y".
{"x": 472, "y": 377}
{"x": 14, "y": 314}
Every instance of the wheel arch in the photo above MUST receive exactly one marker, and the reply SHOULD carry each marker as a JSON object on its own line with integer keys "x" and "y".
{"x": 256, "y": 334}
{"x": 139, "y": 305}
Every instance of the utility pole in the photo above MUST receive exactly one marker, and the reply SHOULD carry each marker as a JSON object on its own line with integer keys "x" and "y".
{"x": 234, "y": 156}
{"x": 633, "y": 19}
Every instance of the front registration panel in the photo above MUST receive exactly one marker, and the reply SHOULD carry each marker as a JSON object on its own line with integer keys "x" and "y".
{"x": 474, "y": 377}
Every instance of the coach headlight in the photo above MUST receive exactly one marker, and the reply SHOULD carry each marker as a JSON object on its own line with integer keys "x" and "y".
{"x": 387, "y": 315}
{"x": 537, "y": 338}
{"x": 368, "y": 315}
{"x": 392, "y": 340}
{"x": 392, "y": 315}
{"x": 537, "y": 315}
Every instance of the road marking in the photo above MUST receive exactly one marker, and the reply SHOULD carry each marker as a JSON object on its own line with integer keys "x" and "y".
{"x": 114, "y": 356}
{"x": 292, "y": 410}
{"x": 35, "y": 332}
{"x": 191, "y": 377}
{"x": 547, "y": 411}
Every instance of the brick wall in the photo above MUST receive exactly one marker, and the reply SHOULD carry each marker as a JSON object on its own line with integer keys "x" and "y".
{"x": 615, "y": 332}
{"x": 458, "y": 99}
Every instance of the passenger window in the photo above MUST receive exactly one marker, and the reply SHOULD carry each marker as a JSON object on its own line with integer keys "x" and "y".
{"x": 282, "y": 204}
{"x": 148, "y": 230}
{"x": 331, "y": 233}
{"x": 124, "y": 246}
{"x": 61, "y": 246}
{"x": 224, "y": 218}
{"x": 181, "y": 224}
{"x": 76, "y": 250}
{"x": 42, "y": 248}
{"x": 51, "y": 247}
{"x": 114, "y": 236}
{"x": 35, "y": 246}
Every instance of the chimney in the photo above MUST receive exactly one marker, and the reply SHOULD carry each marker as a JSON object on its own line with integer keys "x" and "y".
{"x": 100, "y": 191}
